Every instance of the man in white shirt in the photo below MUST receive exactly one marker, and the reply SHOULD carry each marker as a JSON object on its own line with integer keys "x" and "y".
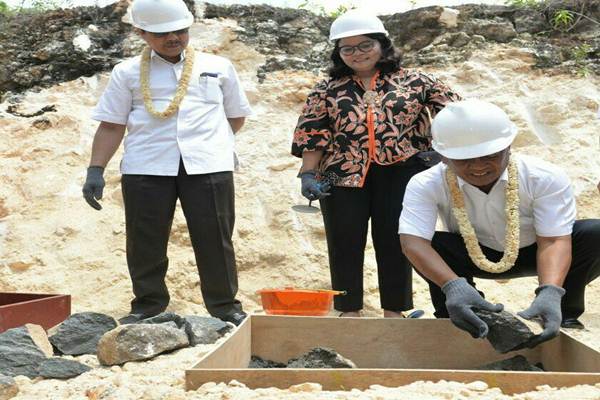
{"x": 506, "y": 217}
{"x": 181, "y": 111}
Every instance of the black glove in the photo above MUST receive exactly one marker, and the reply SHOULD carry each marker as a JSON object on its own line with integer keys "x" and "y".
{"x": 460, "y": 299}
{"x": 546, "y": 307}
{"x": 93, "y": 186}
{"x": 312, "y": 189}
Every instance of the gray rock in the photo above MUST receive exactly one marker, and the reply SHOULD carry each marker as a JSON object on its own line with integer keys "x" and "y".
{"x": 165, "y": 317}
{"x": 80, "y": 333}
{"x": 460, "y": 39}
{"x": 531, "y": 21}
{"x": 32, "y": 43}
{"x": 8, "y": 387}
{"x": 506, "y": 332}
{"x": 497, "y": 29}
{"x": 58, "y": 368}
{"x": 136, "y": 342}
{"x": 320, "y": 357}
{"x": 19, "y": 355}
{"x": 204, "y": 330}
{"x": 258, "y": 362}
{"x": 516, "y": 363}
{"x": 547, "y": 55}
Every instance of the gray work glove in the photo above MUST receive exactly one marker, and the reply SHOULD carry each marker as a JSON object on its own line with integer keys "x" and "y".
{"x": 93, "y": 186}
{"x": 461, "y": 298}
{"x": 312, "y": 189}
{"x": 546, "y": 307}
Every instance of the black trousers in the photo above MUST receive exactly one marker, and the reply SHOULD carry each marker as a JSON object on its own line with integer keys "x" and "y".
{"x": 346, "y": 214}
{"x": 207, "y": 201}
{"x": 585, "y": 265}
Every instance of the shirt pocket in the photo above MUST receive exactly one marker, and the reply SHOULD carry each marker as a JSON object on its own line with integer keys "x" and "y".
{"x": 207, "y": 89}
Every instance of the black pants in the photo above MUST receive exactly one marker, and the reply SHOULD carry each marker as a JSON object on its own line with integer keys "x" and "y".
{"x": 585, "y": 265}
{"x": 346, "y": 214}
{"x": 207, "y": 201}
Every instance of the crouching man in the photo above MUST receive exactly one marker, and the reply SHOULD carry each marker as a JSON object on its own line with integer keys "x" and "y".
{"x": 506, "y": 217}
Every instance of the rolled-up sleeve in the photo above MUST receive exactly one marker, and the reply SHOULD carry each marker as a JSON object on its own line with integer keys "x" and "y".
{"x": 419, "y": 208}
{"x": 235, "y": 101}
{"x": 313, "y": 130}
{"x": 554, "y": 209}
{"x": 116, "y": 101}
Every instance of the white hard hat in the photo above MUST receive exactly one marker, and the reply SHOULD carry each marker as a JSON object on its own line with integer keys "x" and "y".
{"x": 470, "y": 129}
{"x": 355, "y": 22}
{"x": 161, "y": 15}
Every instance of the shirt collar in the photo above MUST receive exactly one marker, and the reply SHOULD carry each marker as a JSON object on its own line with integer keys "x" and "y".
{"x": 503, "y": 177}
{"x": 154, "y": 54}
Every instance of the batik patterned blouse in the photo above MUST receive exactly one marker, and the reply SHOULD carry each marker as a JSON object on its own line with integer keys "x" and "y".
{"x": 334, "y": 119}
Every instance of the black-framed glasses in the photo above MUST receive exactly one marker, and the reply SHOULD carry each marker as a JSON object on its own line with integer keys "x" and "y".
{"x": 364, "y": 47}
{"x": 180, "y": 32}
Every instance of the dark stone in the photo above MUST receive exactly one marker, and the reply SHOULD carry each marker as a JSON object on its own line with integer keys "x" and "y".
{"x": 497, "y": 29}
{"x": 530, "y": 21}
{"x": 80, "y": 333}
{"x": 414, "y": 29}
{"x": 58, "y": 368}
{"x": 547, "y": 55}
{"x": 38, "y": 50}
{"x": 204, "y": 330}
{"x": 165, "y": 317}
{"x": 320, "y": 357}
{"x": 257, "y": 362}
{"x": 275, "y": 31}
{"x": 506, "y": 332}
{"x": 19, "y": 355}
{"x": 516, "y": 363}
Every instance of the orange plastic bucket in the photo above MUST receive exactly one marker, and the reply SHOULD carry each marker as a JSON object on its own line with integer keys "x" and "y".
{"x": 290, "y": 301}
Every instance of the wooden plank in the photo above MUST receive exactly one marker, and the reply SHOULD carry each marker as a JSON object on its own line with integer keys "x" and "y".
{"x": 346, "y": 379}
{"x": 376, "y": 342}
{"x": 409, "y": 350}
{"x": 234, "y": 352}
{"x": 47, "y": 310}
{"x": 567, "y": 354}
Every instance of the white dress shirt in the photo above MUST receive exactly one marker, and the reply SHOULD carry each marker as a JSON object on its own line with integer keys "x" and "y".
{"x": 546, "y": 207}
{"x": 198, "y": 132}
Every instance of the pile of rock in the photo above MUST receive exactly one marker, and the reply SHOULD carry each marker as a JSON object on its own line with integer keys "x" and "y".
{"x": 29, "y": 351}
{"x": 318, "y": 357}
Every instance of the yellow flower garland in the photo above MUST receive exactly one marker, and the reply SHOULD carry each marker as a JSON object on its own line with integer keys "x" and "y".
{"x": 182, "y": 86}
{"x": 511, "y": 237}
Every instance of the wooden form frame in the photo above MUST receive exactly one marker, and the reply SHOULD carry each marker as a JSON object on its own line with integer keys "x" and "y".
{"x": 47, "y": 310}
{"x": 388, "y": 352}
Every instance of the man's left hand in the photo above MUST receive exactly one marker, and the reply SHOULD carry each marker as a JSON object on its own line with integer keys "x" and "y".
{"x": 546, "y": 307}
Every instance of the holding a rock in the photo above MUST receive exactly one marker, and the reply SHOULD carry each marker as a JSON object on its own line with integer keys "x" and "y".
{"x": 506, "y": 217}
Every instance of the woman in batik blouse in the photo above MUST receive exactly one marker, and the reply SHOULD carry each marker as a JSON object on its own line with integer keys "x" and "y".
{"x": 363, "y": 133}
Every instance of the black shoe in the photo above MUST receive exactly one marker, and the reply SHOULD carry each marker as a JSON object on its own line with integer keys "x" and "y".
{"x": 235, "y": 318}
{"x": 572, "y": 323}
{"x": 132, "y": 318}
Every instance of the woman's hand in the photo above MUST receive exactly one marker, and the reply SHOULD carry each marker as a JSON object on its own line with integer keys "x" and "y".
{"x": 312, "y": 189}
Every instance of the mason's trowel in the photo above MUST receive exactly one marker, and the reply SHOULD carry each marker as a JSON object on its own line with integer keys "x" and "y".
{"x": 306, "y": 209}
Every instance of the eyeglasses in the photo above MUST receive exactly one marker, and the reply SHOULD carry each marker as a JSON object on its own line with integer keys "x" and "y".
{"x": 364, "y": 47}
{"x": 180, "y": 32}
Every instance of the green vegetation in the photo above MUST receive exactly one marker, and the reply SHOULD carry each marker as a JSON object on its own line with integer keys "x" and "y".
{"x": 34, "y": 6}
{"x": 579, "y": 55}
{"x": 560, "y": 19}
{"x": 320, "y": 10}
{"x": 524, "y": 3}
{"x": 4, "y": 8}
